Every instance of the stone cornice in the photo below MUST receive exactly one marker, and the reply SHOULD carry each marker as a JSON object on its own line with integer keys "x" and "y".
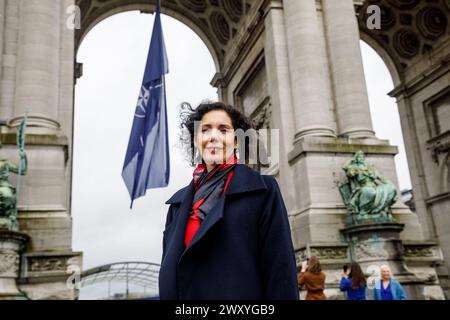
{"x": 36, "y": 139}
{"x": 423, "y": 79}
{"x": 340, "y": 145}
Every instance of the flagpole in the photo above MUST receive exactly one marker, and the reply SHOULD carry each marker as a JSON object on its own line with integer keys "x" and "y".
{"x": 145, "y": 166}
{"x": 158, "y": 9}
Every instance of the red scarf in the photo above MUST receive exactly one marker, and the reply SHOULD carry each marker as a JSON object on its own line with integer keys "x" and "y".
{"x": 201, "y": 179}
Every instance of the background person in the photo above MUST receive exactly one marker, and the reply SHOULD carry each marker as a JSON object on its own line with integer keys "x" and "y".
{"x": 353, "y": 282}
{"x": 387, "y": 288}
{"x": 312, "y": 277}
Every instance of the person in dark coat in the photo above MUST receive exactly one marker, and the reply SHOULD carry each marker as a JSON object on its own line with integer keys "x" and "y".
{"x": 227, "y": 234}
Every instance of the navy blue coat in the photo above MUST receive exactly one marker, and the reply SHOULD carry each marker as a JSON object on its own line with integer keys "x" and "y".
{"x": 242, "y": 250}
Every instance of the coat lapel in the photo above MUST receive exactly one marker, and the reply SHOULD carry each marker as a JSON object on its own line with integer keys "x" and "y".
{"x": 214, "y": 216}
{"x": 253, "y": 181}
{"x": 184, "y": 198}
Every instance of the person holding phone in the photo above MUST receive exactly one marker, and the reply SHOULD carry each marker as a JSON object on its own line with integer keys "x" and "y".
{"x": 353, "y": 282}
{"x": 312, "y": 277}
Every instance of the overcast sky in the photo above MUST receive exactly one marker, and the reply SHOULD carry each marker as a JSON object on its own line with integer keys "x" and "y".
{"x": 114, "y": 55}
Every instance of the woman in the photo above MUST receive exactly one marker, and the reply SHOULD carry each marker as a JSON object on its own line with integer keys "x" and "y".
{"x": 227, "y": 233}
{"x": 387, "y": 288}
{"x": 354, "y": 283}
{"x": 313, "y": 278}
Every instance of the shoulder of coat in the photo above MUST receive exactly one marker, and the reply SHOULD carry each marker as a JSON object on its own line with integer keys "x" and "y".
{"x": 178, "y": 196}
{"x": 271, "y": 183}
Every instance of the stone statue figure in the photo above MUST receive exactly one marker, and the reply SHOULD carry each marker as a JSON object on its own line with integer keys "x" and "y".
{"x": 9, "y": 193}
{"x": 367, "y": 194}
{"x": 8, "y": 196}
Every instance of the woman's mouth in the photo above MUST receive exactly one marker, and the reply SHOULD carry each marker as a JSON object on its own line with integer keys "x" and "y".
{"x": 214, "y": 150}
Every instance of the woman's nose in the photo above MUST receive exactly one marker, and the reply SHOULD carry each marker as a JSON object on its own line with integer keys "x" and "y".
{"x": 214, "y": 135}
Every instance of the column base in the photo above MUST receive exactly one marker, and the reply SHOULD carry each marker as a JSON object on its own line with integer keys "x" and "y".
{"x": 358, "y": 133}
{"x": 36, "y": 124}
{"x": 314, "y": 131}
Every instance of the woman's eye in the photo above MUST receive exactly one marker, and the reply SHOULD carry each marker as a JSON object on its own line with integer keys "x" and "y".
{"x": 224, "y": 130}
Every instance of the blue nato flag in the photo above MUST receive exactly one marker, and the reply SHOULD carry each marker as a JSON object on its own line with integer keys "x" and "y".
{"x": 147, "y": 163}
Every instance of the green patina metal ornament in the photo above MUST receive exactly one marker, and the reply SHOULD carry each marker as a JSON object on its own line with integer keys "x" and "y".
{"x": 8, "y": 193}
{"x": 367, "y": 195}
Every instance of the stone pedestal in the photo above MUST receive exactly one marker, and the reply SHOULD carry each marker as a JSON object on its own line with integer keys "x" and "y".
{"x": 374, "y": 244}
{"x": 11, "y": 245}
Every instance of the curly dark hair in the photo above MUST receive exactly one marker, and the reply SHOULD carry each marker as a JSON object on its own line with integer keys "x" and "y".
{"x": 189, "y": 116}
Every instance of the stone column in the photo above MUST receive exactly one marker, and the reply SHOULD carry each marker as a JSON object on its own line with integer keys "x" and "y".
{"x": 2, "y": 32}
{"x": 310, "y": 91}
{"x": 9, "y": 59}
{"x": 352, "y": 104}
{"x": 277, "y": 66}
{"x": 66, "y": 92}
{"x": 38, "y": 65}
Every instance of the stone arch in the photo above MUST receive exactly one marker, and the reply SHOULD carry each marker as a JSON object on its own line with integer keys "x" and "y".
{"x": 215, "y": 22}
{"x": 409, "y": 29}
{"x": 387, "y": 59}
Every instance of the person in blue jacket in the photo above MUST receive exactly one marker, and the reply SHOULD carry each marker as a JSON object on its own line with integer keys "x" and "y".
{"x": 353, "y": 282}
{"x": 387, "y": 288}
{"x": 227, "y": 234}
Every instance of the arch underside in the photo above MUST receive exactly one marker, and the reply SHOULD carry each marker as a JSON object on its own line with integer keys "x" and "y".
{"x": 216, "y": 22}
{"x": 409, "y": 29}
